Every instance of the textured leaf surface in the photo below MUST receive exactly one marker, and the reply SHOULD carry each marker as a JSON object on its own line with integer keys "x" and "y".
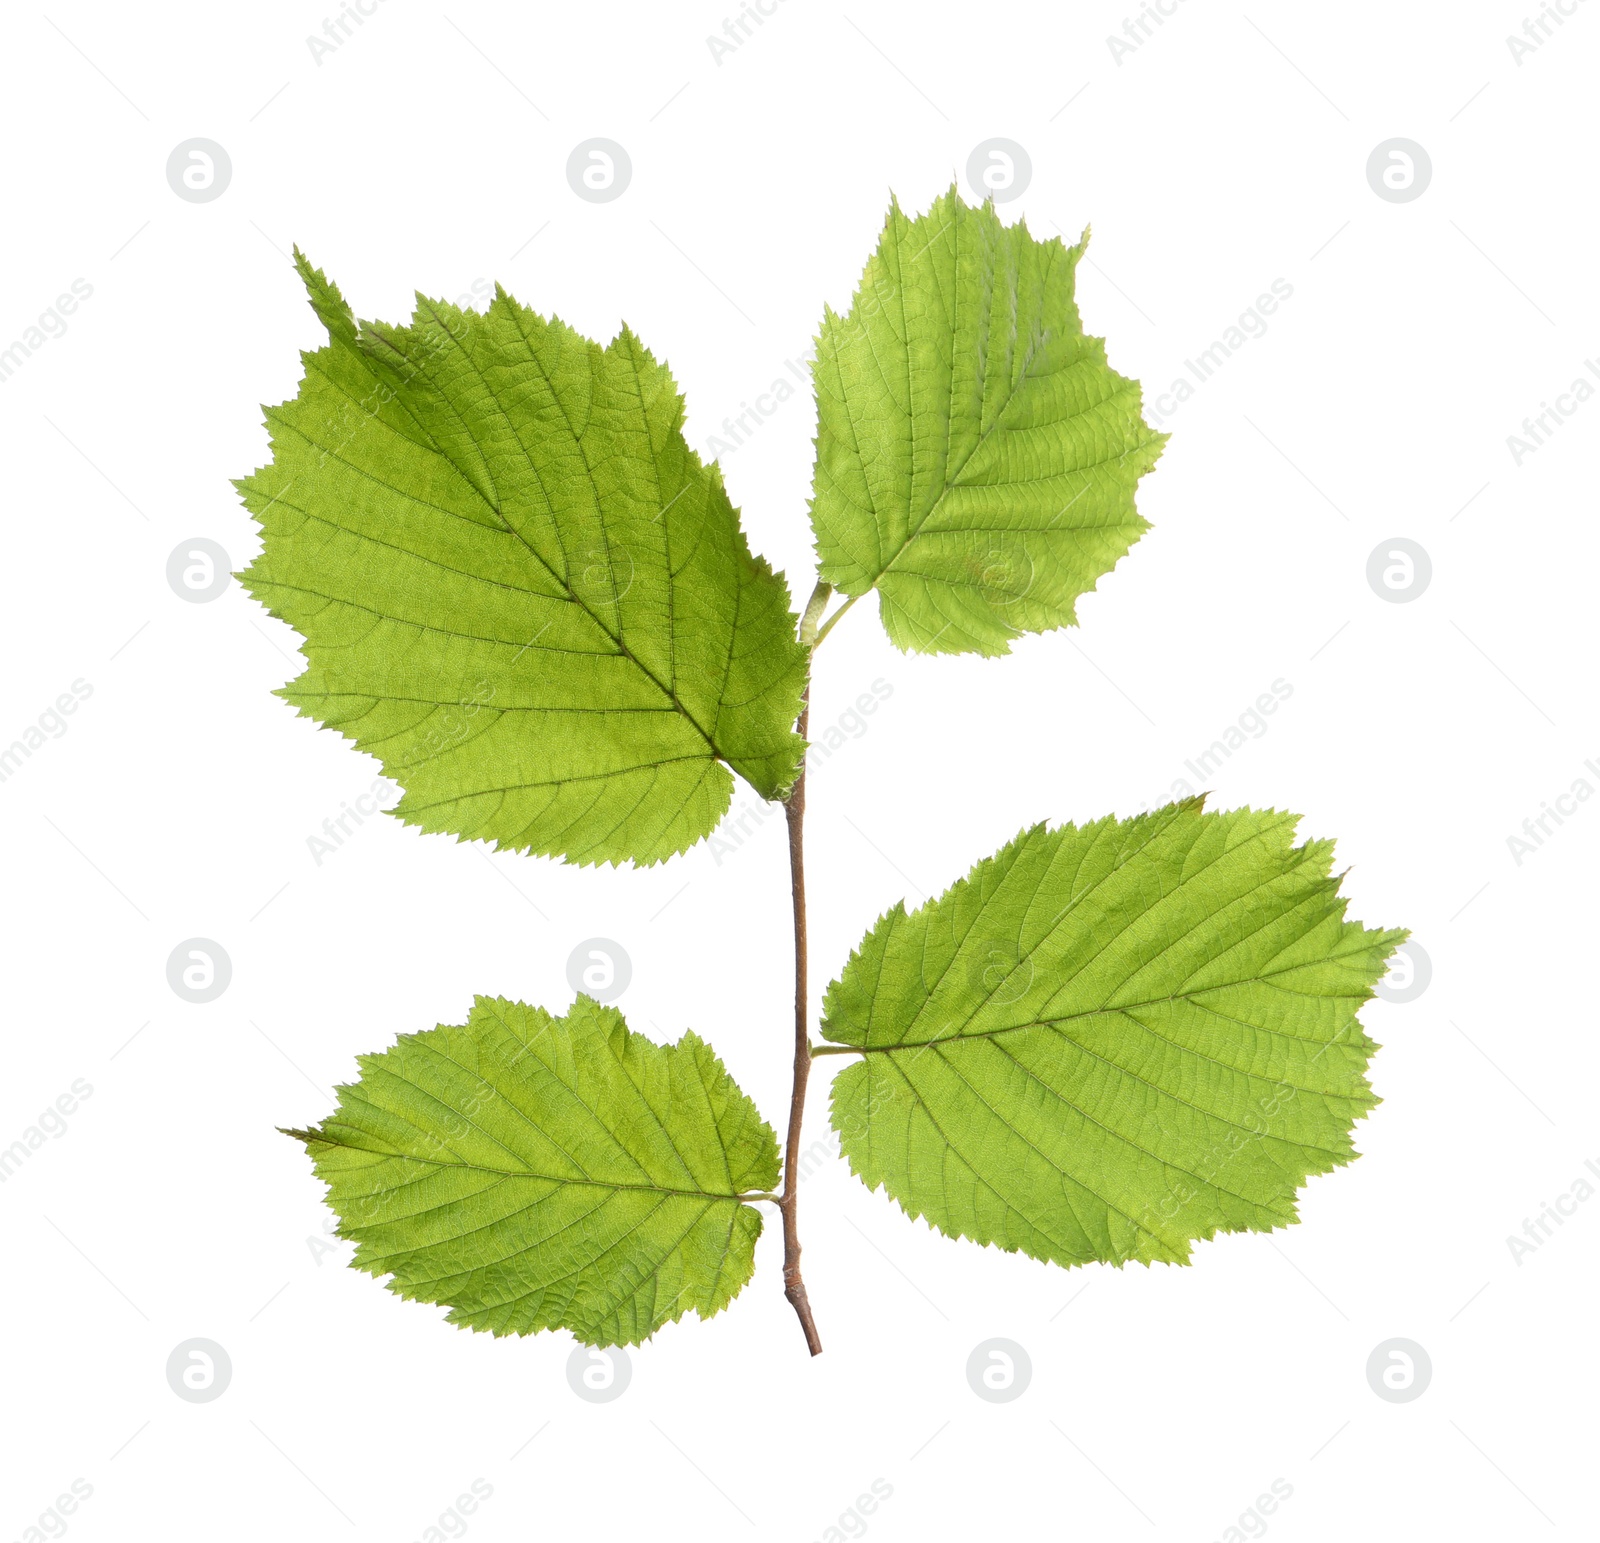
{"x": 1106, "y": 1042}
{"x": 518, "y": 586}
{"x": 976, "y": 456}
{"x": 534, "y": 1172}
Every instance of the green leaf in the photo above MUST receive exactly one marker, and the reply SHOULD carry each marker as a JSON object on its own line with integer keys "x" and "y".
{"x": 1106, "y": 1042}
{"x": 519, "y": 587}
{"x": 976, "y": 456}
{"x": 534, "y": 1172}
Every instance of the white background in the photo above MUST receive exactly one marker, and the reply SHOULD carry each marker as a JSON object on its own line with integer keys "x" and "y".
{"x": 1226, "y": 151}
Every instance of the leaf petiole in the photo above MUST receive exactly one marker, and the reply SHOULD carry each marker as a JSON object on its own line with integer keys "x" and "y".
{"x": 831, "y": 622}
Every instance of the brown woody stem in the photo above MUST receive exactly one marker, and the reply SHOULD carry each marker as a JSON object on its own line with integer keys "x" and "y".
{"x": 794, "y": 1287}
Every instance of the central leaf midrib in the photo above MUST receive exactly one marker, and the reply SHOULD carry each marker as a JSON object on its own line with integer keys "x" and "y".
{"x": 561, "y": 580}
{"x": 1189, "y": 998}
{"x": 528, "y": 1173}
{"x": 1037, "y": 347}
{"x": 1039, "y": 344}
